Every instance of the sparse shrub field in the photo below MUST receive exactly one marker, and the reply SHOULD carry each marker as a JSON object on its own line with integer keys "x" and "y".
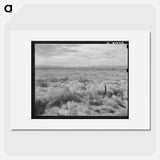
{"x": 81, "y": 91}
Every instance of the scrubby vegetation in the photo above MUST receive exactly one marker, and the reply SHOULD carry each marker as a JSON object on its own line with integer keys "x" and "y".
{"x": 81, "y": 92}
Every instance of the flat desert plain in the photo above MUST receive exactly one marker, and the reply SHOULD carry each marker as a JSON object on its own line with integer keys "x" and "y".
{"x": 81, "y": 91}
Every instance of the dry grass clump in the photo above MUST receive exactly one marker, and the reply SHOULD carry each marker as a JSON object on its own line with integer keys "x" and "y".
{"x": 82, "y": 80}
{"x": 60, "y": 96}
{"x": 117, "y": 92}
{"x": 60, "y": 79}
{"x": 42, "y": 83}
{"x": 104, "y": 110}
{"x": 96, "y": 102}
{"x": 70, "y": 108}
{"x": 56, "y": 111}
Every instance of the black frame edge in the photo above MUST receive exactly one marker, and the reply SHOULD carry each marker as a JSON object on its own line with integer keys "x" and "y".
{"x": 33, "y": 116}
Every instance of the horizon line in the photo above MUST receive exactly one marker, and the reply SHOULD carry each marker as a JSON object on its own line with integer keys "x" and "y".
{"x": 50, "y": 66}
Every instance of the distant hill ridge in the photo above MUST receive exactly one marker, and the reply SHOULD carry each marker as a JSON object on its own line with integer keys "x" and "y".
{"x": 63, "y": 67}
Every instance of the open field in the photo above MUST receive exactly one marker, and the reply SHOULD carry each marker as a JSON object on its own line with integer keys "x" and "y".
{"x": 81, "y": 91}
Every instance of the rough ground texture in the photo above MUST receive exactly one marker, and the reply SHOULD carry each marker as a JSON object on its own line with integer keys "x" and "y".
{"x": 81, "y": 92}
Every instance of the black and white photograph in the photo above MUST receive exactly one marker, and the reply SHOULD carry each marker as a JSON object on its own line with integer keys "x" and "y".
{"x": 80, "y": 79}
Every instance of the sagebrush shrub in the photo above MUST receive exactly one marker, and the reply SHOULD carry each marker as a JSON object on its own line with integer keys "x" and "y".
{"x": 43, "y": 84}
{"x": 40, "y": 106}
{"x": 96, "y": 102}
{"x": 60, "y": 96}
